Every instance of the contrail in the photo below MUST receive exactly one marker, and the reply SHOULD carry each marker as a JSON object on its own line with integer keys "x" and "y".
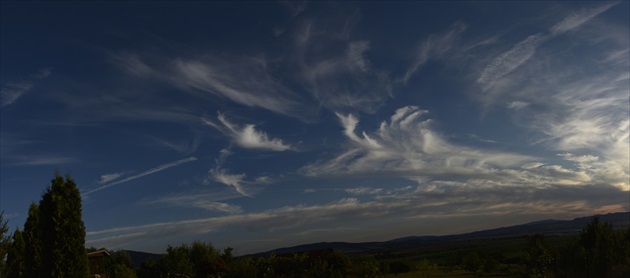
{"x": 148, "y": 172}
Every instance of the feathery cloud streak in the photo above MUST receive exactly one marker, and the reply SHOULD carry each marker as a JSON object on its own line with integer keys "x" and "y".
{"x": 242, "y": 79}
{"x": 233, "y": 180}
{"x": 145, "y": 173}
{"x": 434, "y": 47}
{"x": 248, "y": 137}
{"x": 411, "y": 202}
{"x": 202, "y": 201}
{"x": 510, "y": 60}
{"x": 407, "y": 146}
{"x": 14, "y": 90}
{"x": 578, "y": 18}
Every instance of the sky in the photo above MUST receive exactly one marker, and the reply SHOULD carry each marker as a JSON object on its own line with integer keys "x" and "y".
{"x": 259, "y": 125}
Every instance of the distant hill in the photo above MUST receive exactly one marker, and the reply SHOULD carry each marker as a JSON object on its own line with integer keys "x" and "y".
{"x": 137, "y": 257}
{"x": 549, "y": 227}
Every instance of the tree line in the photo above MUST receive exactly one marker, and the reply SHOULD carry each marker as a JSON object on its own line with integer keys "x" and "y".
{"x": 53, "y": 241}
{"x": 52, "y": 244}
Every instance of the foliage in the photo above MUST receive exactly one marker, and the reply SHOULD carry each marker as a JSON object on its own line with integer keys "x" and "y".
{"x": 4, "y": 241}
{"x": 52, "y": 245}
{"x": 15, "y": 257}
{"x": 537, "y": 258}
{"x": 426, "y": 267}
{"x": 366, "y": 267}
{"x": 398, "y": 267}
{"x": 148, "y": 269}
{"x": 32, "y": 242}
{"x": 63, "y": 242}
{"x": 176, "y": 261}
{"x": 243, "y": 267}
{"x": 120, "y": 265}
{"x": 453, "y": 261}
{"x": 605, "y": 250}
{"x": 472, "y": 262}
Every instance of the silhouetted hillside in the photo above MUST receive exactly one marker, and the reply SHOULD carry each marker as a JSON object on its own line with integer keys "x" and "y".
{"x": 137, "y": 257}
{"x": 545, "y": 227}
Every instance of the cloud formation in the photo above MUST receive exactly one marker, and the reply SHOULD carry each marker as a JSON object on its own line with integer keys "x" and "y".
{"x": 579, "y": 17}
{"x": 247, "y": 136}
{"x": 242, "y": 79}
{"x": 201, "y": 201}
{"x": 407, "y": 146}
{"x": 12, "y": 91}
{"x": 510, "y": 60}
{"x": 335, "y": 69}
{"x": 233, "y": 180}
{"x": 521, "y": 52}
{"x": 109, "y": 177}
{"x": 434, "y": 47}
{"x": 444, "y": 201}
{"x": 145, "y": 173}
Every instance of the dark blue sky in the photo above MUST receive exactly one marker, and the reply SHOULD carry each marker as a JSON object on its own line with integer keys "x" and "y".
{"x": 263, "y": 124}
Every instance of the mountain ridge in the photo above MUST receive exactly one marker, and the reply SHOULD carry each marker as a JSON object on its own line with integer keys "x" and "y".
{"x": 546, "y": 227}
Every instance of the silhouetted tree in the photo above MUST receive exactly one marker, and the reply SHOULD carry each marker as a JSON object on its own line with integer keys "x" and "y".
{"x": 4, "y": 241}
{"x": 366, "y": 267}
{"x": 473, "y": 262}
{"x": 266, "y": 266}
{"x": 398, "y": 267}
{"x": 15, "y": 256}
{"x": 32, "y": 242}
{"x": 120, "y": 265}
{"x": 242, "y": 267}
{"x": 62, "y": 231}
{"x": 426, "y": 267}
{"x": 453, "y": 261}
{"x": 537, "y": 258}
{"x": 148, "y": 269}
{"x": 206, "y": 260}
{"x": 598, "y": 241}
{"x": 176, "y": 261}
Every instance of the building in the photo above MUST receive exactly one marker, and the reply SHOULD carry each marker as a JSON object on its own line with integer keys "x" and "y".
{"x": 98, "y": 263}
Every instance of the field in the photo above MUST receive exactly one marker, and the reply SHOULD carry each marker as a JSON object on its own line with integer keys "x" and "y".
{"x": 439, "y": 274}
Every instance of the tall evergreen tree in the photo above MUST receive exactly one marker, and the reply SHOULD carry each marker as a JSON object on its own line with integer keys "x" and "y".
{"x": 32, "y": 242}
{"x": 15, "y": 256}
{"x": 4, "y": 241}
{"x": 62, "y": 230}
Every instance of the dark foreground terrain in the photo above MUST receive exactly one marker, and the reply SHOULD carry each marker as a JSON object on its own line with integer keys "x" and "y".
{"x": 583, "y": 247}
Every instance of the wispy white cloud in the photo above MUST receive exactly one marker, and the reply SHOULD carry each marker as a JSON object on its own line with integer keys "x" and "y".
{"x": 247, "y": 136}
{"x": 201, "y": 201}
{"x": 517, "y": 104}
{"x": 356, "y": 55}
{"x": 242, "y": 79}
{"x": 444, "y": 201}
{"x": 295, "y": 7}
{"x": 145, "y": 173}
{"x": 183, "y": 146}
{"x": 510, "y": 60}
{"x": 407, "y": 146}
{"x": 12, "y": 91}
{"x": 109, "y": 177}
{"x": 579, "y": 17}
{"x": 434, "y": 47}
{"x": 521, "y": 52}
{"x": 233, "y": 180}
{"x": 580, "y": 109}
{"x": 364, "y": 190}
{"x": 341, "y": 79}
{"x": 40, "y": 160}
